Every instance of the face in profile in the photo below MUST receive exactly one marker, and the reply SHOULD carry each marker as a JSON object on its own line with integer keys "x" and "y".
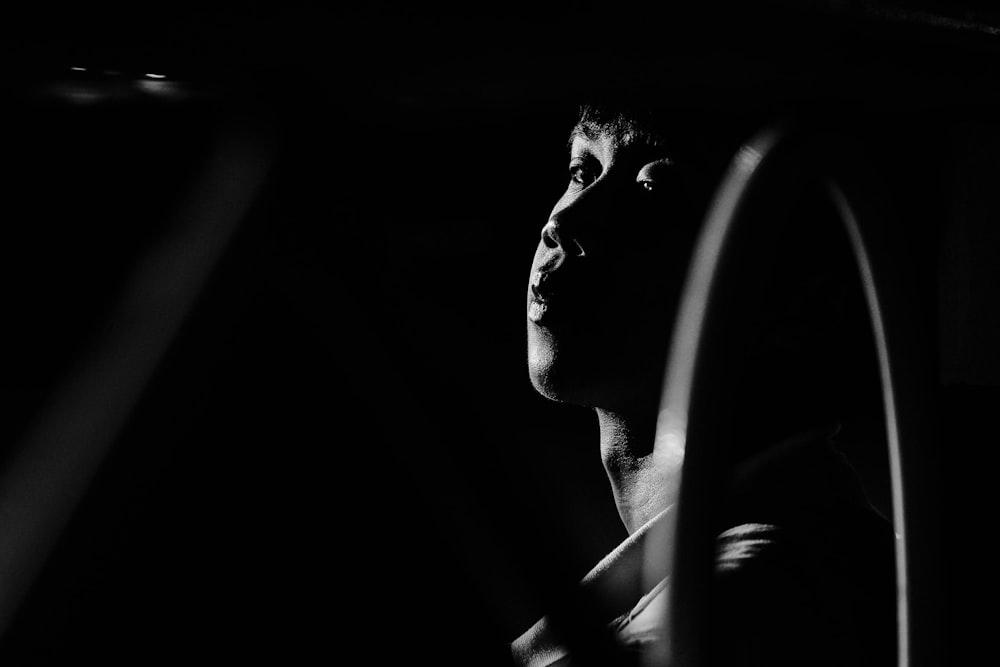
{"x": 608, "y": 268}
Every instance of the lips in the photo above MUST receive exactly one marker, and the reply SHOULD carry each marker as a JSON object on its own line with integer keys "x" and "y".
{"x": 541, "y": 296}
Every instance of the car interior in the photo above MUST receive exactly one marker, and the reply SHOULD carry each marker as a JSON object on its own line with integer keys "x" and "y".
{"x": 265, "y": 268}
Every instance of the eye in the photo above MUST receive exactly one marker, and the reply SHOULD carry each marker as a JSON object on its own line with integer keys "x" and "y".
{"x": 581, "y": 173}
{"x": 655, "y": 174}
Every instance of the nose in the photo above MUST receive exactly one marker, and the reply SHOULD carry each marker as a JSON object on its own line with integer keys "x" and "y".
{"x": 551, "y": 236}
{"x": 556, "y": 238}
{"x": 575, "y": 222}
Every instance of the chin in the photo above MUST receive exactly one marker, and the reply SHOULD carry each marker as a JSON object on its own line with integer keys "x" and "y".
{"x": 561, "y": 390}
{"x": 549, "y": 372}
{"x": 589, "y": 379}
{"x": 542, "y": 368}
{"x": 557, "y": 379}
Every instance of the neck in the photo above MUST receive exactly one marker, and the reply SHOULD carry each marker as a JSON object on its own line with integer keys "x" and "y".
{"x": 642, "y": 486}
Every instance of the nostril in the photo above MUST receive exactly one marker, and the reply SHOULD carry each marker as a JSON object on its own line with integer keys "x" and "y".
{"x": 555, "y": 240}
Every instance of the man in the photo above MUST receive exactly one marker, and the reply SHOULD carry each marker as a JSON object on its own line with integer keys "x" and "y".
{"x": 804, "y": 572}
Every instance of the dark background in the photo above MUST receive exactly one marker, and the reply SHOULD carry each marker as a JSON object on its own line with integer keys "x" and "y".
{"x": 340, "y": 451}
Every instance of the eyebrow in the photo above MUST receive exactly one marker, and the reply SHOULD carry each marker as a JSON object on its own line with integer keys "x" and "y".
{"x": 582, "y": 131}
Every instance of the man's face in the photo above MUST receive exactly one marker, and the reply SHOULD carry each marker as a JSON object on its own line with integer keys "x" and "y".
{"x": 607, "y": 271}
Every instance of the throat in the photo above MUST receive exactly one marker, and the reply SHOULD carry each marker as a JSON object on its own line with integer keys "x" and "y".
{"x": 643, "y": 484}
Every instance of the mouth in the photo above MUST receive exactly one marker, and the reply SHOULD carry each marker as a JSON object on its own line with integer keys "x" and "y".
{"x": 538, "y": 304}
